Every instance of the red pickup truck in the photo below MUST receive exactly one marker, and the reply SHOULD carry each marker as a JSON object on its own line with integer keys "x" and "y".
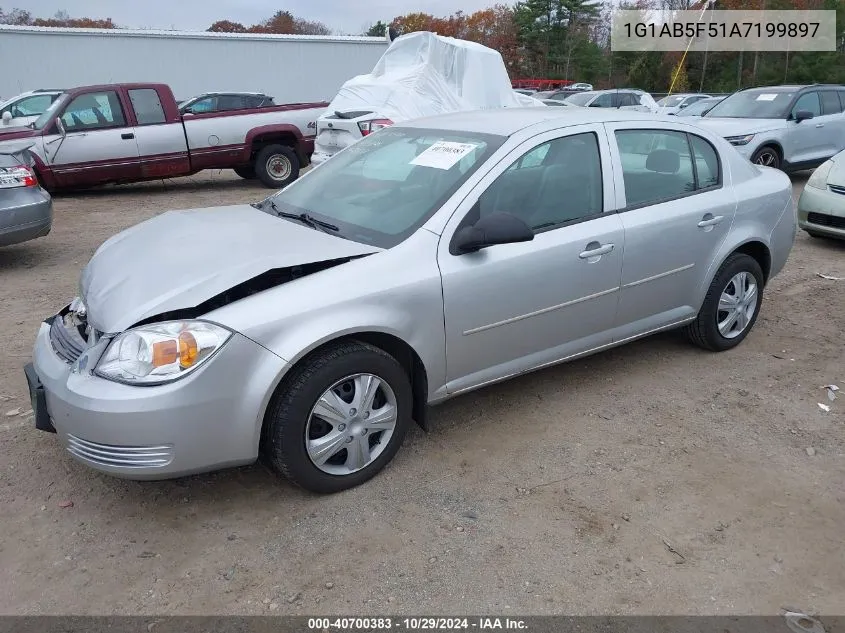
{"x": 121, "y": 133}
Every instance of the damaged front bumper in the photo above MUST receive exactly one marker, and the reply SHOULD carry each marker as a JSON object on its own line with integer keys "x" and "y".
{"x": 208, "y": 420}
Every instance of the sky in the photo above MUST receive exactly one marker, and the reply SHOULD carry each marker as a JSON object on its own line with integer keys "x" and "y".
{"x": 342, "y": 16}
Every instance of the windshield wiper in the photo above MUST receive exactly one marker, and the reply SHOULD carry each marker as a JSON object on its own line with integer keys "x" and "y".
{"x": 306, "y": 219}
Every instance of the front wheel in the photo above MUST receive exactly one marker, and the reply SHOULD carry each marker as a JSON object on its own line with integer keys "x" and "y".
{"x": 276, "y": 166}
{"x": 766, "y": 157}
{"x": 340, "y": 418}
{"x": 731, "y": 306}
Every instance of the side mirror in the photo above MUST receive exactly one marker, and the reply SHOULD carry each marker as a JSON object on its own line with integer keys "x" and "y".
{"x": 682, "y": 106}
{"x": 7, "y": 117}
{"x": 493, "y": 229}
{"x": 803, "y": 115}
{"x": 61, "y": 127}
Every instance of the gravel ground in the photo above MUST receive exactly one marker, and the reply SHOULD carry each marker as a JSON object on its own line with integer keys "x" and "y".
{"x": 655, "y": 478}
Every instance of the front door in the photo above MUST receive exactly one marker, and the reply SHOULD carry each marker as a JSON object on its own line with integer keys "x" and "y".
{"x": 676, "y": 212}
{"x": 99, "y": 145}
{"x": 514, "y": 307}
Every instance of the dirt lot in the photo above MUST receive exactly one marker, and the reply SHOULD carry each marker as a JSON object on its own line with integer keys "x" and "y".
{"x": 655, "y": 478}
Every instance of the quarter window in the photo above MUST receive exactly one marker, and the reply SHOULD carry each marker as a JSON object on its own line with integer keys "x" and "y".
{"x": 552, "y": 184}
{"x": 656, "y": 165}
{"x": 706, "y": 163}
{"x": 94, "y": 110}
{"x": 147, "y": 106}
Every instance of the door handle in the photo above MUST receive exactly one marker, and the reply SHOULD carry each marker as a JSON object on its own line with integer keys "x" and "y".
{"x": 594, "y": 249}
{"x": 710, "y": 221}
{"x": 127, "y": 136}
{"x": 819, "y": 124}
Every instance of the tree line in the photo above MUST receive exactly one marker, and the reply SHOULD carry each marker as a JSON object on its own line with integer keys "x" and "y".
{"x": 570, "y": 39}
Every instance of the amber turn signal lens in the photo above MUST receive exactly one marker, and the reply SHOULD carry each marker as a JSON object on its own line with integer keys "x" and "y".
{"x": 188, "y": 350}
{"x": 165, "y": 353}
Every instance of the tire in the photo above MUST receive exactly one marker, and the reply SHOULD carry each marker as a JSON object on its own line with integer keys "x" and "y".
{"x": 276, "y": 166}
{"x": 247, "y": 172}
{"x": 705, "y": 330}
{"x": 293, "y": 429}
{"x": 767, "y": 156}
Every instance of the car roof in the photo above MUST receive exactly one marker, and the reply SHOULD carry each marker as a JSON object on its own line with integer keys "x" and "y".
{"x": 509, "y": 121}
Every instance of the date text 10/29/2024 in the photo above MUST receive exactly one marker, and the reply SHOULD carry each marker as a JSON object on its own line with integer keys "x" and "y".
{"x": 341, "y": 624}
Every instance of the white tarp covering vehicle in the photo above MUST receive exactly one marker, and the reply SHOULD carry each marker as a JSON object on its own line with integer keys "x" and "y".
{"x": 421, "y": 74}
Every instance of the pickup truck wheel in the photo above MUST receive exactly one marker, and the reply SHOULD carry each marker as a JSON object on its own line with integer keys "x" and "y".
{"x": 339, "y": 418}
{"x": 247, "y": 172}
{"x": 276, "y": 166}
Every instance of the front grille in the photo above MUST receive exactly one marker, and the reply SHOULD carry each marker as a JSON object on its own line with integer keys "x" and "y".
{"x": 823, "y": 219}
{"x": 120, "y": 456}
{"x": 837, "y": 189}
{"x": 67, "y": 340}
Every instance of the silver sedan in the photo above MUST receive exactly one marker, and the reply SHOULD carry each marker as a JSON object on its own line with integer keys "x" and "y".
{"x": 429, "y": 259}
{"x": 26, "y": 210}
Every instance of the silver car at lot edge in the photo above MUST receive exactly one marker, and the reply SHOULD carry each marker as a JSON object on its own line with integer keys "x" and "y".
{"x": 26, "y": 210}
{"x": 429, "y": 259}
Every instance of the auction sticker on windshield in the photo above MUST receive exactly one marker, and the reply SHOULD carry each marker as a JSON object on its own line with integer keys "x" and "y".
{"x": 443, "y": 154}
{"x": 767, "y": 97}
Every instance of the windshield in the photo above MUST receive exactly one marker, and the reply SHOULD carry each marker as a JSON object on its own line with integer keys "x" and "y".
{"x": 384, "y": 187}
{"x": 671, "y": 101}
{"x": 763, "y": 103}
{"x": 698, "y": 107}
{"x": 49, "y": 114}
{"x": 580, "y": 99}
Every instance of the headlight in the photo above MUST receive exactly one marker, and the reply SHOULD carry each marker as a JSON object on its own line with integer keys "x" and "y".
{"x": 161, "y": 352}
{"x": 739, "y": 140}
{"x": 818, "y": 179}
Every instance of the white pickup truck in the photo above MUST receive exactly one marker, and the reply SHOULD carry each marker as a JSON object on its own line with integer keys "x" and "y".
{"x": 120, "y": 133}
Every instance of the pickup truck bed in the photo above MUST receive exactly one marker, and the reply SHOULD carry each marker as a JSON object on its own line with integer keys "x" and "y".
{"x": 123, "y": 133}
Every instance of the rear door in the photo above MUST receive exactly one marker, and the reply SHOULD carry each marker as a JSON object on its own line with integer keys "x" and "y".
{"x": 99, "y": 145}
{"x": 676, "y": 209}
{"x": 162, "y": 146}
{"x": 834, "y": 122}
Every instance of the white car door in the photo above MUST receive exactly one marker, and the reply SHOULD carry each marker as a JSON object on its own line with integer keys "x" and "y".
{"x": 514, "y": 307}
{"x": 98, "y": 145}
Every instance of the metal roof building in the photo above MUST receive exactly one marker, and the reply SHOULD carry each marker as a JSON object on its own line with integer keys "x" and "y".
{"x": 287, "y": 67}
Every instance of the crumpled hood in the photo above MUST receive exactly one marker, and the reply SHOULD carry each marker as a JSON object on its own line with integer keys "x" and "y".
{"x": 739, "y": 127}
{"x": 180, "y": 259}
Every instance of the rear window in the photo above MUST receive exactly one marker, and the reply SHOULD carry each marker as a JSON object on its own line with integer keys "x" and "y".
{"x": 147, "y": 106}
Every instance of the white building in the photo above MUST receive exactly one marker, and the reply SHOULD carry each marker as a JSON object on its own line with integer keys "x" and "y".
{"x": 289, "y": 68}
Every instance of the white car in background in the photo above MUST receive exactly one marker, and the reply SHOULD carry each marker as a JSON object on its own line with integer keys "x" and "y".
{"x": 786, "y": 127}
{"x": 420, "y": 74}
{"x": 27, "y": 107}
{"x": 672, "y": 104}
{"x": 622, "y": 99}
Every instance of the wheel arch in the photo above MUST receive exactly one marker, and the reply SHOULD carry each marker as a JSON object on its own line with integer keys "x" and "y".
{"x": 399, "y": 349}
{"x": 774, "y": 144}
{"x": 260, "y": 137}
{"x": 753, "y": 247}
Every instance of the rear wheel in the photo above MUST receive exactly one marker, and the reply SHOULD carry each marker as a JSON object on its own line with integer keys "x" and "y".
{"x": 731, "y": 306}
{"x": 340, "y": 418}
{"x": 276, "y": 166}
{"x": 767, "y": 157}
{"x": 247, "y": 172}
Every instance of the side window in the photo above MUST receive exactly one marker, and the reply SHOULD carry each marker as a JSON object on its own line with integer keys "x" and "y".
{"x": 830, "y": 102}
{"x": 629, "y": 99}
{"x": 706, "y": 163}
{"x": 147, "y": 106}
{"x": 561, "y": 182}
{"x": 809, "y": 102}
{"x": 30, "y": 106}
{"x": 842, "y": 99}
{"x": 231, "y": 102}
{"x": 603, "y": 101}
{"x": 94, "y": 110}
{"x": 209, "y": 104}
{"x": 656, "y": 165}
